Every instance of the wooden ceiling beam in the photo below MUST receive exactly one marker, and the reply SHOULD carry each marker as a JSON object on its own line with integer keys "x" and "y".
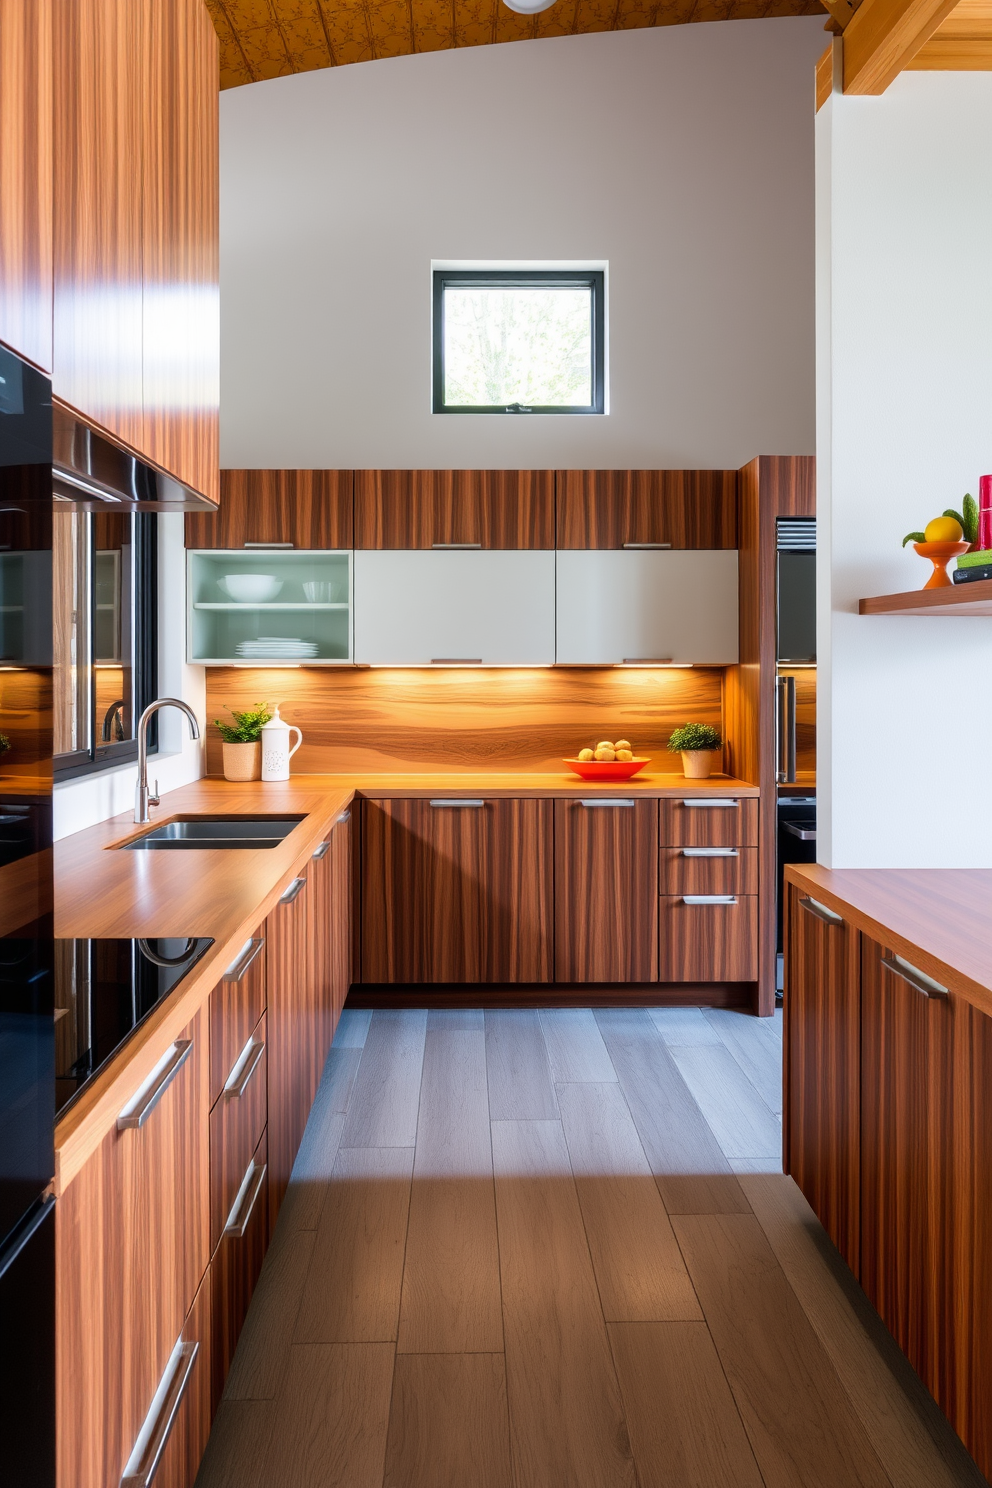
{"x": 962, "y": 44}
{"x": 883, "y": 37}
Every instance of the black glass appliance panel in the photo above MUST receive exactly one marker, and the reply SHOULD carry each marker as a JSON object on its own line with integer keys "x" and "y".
{"x": 796, "y": 607}
{"x": 103, "y": 990}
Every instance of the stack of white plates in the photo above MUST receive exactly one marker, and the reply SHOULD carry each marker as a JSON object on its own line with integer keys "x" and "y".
{"x": 276, "y": 648}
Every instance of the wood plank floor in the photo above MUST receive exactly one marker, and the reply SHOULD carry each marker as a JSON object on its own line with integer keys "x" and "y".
{"x": 557, "y": 1250}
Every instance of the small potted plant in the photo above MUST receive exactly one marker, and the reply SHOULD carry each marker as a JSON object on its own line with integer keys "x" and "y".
{"x": 243, "y": 742}
{"x": 696, "y": 743}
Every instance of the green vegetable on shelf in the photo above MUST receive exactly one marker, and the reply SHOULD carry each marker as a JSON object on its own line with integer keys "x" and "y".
{"x": 967, "y": 518}
{"x": 914, "y": 537}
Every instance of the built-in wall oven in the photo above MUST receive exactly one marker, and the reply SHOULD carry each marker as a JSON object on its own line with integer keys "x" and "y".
{"x": 796, "y": 658}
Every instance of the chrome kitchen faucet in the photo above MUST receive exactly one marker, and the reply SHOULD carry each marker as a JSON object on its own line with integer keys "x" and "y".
{"x": 142, "y": 797}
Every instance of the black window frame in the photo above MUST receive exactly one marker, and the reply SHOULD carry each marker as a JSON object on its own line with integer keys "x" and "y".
{"x": 592, "y": 279}
{"x": 106, "y": 755}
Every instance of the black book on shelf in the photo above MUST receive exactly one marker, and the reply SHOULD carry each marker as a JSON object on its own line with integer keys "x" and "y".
{"x": 971, "y": 575}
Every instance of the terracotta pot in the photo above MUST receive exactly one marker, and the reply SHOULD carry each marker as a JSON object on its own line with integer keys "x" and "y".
{"x": 243, "y": 761}
{"x": 697, "y": 764}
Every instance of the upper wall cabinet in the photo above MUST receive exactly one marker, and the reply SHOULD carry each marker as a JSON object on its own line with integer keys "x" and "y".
{"x": 180, "y": 242}
{"x": 26, "y": 178}
{"x": 454, "y": 508}
{"x": 304, "y": 509}
{"x": 485, "y": 609}
{"x": 641, "y": 607}
{"x": 647, "y": 508}
{"x": 135, "y": 323}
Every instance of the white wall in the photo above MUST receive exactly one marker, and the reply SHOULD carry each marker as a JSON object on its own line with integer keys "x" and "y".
{"x": 682, "y": 155}
{"x": 93, "y": 798}
{"x": 904, "y": 428}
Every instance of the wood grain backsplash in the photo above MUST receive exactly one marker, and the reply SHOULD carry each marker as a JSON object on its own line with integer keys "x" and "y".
{"x": 426, "y": 721}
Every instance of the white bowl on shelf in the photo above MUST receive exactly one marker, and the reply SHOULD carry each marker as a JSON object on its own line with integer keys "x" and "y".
{"x": 320, "y": 591}
{"x": 249, "y": 588}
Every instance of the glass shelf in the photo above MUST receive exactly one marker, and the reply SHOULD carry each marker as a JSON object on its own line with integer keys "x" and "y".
{"x": 221, "y": 631}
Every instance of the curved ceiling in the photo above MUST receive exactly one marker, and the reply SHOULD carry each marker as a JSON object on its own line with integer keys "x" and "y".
{"x": 273, "y": 38}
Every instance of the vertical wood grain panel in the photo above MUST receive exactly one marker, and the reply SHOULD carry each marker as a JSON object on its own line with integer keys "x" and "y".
{"x": 235, "y": 1008}
{"x": 823, "y": 1071}
{"x": 457, "y": 894}
{"x": 416, "y": 508}
{"x": 188, "y": 1438}
{"x": 97, "y": 329}
{"x": 686, "y": 508}
{"x": 236, "y": 1126}
{"x": 180, "y": 242}
{"x": 234, "y": 1272}
{"x": 606, "y": 892}
{"x": 708, "y": 942}
{"x": 308, "y": 508}
{"x": 26, "y": 178}
{"x": 289, "y": 1021}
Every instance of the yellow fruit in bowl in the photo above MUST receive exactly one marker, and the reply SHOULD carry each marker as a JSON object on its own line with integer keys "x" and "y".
{"x": 624, "y": 744}
{"x": 625, "y": 754}
{"x": 943, "y": 529}
{"x": 585, "y": 754}
{"x": 605, "y": 744}
{"x": 605, "y": 752}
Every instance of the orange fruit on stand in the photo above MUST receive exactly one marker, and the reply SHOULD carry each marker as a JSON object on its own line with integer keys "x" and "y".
{"x": 943, "y": 530}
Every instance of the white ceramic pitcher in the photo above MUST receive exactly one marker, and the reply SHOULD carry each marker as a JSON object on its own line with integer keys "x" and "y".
{"x": 276, "y": 753}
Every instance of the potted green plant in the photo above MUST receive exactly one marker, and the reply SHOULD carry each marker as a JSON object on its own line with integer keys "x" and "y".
{"x": 696, "y": 743}
{"x": 243, "y": 742}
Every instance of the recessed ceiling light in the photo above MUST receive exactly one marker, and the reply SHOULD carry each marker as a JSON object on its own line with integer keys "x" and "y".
{"x": 528, "y": 7}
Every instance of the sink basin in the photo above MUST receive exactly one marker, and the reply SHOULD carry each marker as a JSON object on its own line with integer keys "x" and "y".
{"x": 216, "y": 832}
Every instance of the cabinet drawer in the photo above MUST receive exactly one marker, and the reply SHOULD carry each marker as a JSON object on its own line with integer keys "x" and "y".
{"x": 236, "y": 1004}
{"x": 708, "y": 870}
{"x": 236, "y": 1265}
{"x": 724, "y": 821}
{"x": 708, "y": 942}
{"x": 178, "y": 1422}
{"x": 236, "y": 1123}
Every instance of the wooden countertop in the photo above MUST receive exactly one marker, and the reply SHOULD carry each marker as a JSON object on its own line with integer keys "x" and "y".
{"x": 103, "y": 892}
{"x": 940, "y": 919}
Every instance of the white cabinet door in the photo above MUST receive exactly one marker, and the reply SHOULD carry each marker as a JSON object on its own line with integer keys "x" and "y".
{"x": 414, "y": 608}
{"x": 616, "y": 606}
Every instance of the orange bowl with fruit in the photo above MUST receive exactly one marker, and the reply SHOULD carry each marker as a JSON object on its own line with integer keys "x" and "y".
{"x": 943, "y": 539}
{"x": 608, "y": 760}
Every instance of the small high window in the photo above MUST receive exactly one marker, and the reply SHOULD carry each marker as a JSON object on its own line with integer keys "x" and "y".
{"x": 519, "y": 341}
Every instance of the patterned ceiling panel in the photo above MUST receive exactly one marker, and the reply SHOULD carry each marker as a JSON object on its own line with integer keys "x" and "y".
{"x": 273, "y": 38}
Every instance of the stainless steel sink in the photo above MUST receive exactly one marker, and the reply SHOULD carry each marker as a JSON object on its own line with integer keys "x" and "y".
{"x": 216, "y": 832}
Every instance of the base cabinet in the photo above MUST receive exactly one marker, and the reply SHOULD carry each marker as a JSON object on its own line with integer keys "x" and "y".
{"x": 606, "y": 890}
{"x": 235, "y": 1267}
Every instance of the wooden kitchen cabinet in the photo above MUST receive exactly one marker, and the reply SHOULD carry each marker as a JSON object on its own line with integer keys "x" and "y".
{"x": 236, "y": 1005}
{"x": 236, "y": 1124}
{"x": 477, "y": 508}
{"x": 187, "y": 1439}
{"x": 704, "y": 941}
{"x": 606, "y": 891}
{"x": 823, "y": 1067}
{"x": 292, "y": 1032}
{"x": 613, "y": 607}
{"x": 132, "y": 1234}
{"x": 26, "y": 178}
{"x": 330, "y": 876}
{"x": 708, "y": 870}
{"x": 236, "y": 1265}
{"x": 615, "y": 508}
{"x": 709, "y": 821}
{"x": 457, "y": 891}
{"x": 304, "y": 509}
{"x": 483, "y": 608}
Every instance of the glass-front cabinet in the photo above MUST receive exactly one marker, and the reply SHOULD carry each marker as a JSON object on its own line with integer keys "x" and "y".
{"x": 269, "y": 608}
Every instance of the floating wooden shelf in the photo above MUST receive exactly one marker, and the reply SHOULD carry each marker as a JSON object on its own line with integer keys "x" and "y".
{"x": 959, "y": 599}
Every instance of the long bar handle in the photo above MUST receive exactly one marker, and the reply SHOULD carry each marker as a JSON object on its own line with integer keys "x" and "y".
{"x": 244, "y": 1067}
{"x": 647, "y": 661}
{"x": 696, "y": 899}
{"x": 785, "y": 696}
{"x": 154, "y": 1434}
{"x": 294, "y": 891}
{"x": 456, "y": 545}
{"x": 647, "y": 545}
{"x": 238, "y": 967}
{"x": 711, "y": 802}
{"x": 268, "y": 545}
{"x": 607, "y": 801}
{"x": 241, "y": 1210}
{"x": 458, "y": 802}
{"x": 710, "y": 852}
{"x": 821, "y": 912}
{"x": 456, "y": 661}
{"x": 143, "y": 1103}
{"x": 914, "y": 977}
{"x": 321, "y": 851}
{"x": 345, "y": 816}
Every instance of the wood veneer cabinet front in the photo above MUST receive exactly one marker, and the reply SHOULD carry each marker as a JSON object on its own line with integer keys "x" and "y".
{"x": 291, "y": 1021}
{"x": 305, "y": 509}
{"x": 707, "y": 942}
{"x": 823, "y": 1067}
{"x": 236, "y": 1004}
{"x": 479, "y": 508}
{"x": 612, "y": 508}
{"x": 132, "y": 1235}
{"x": 606, "y": 891}
{"x": 26, "y": 178}
{"x": 457, "y": 892}
{"x": 234, "y": 1273}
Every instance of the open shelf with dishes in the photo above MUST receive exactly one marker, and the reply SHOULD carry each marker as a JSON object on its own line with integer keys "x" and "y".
{"x": 269, "y": 608}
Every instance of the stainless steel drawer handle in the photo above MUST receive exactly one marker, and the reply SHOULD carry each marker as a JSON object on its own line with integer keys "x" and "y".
{"x": 143, "y": 1102}
{"x": 914, "y": 977}
{"x": 607, "y": 801}
{"x": 268, "y": 545}
{"x": 321, "y": 851}
{"x": 344, "y": 817}
{"x": 252, "y": 950}
{"x": 148, "y": 1449}
{"x": 647, "y": 661}
{"x": 456, "y": 661}
{"x": 797, "y": 829}
{"x": 244, "y": 1067}
{"x": 647, "y": 545}
{"x": 710, "y": 852}
{"x": 814, "y": 907}
{"x": 457, "y": 803}
{"x": 456, "y": 545}
{"x": 711, "y": 803}
{"x": 709, "y": 898}
{"x": 294, "y": 891}
{"x": 241, "y": 1209}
